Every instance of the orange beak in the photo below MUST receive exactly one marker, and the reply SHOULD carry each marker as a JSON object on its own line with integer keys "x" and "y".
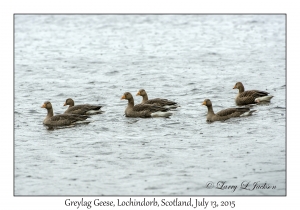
{"x": 44, "y": 106}
{"x": 138, "y": 93}
{"x": 65, "y": 104}
{"x": 204, "y": 103}
{"x": 234, "y": 87}
{"x": 123, "y": 97}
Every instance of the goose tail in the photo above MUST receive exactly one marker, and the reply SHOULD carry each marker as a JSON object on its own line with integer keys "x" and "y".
{"x": 249, "y": 113}
{"x": 171, "y": 106}
{"x": 91, "y": 112}
{"x": 161, "y": 114}
{"x": 263, "y": 99}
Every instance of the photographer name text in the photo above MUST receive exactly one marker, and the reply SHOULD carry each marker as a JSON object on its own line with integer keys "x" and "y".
{"x": 245, "y": 185}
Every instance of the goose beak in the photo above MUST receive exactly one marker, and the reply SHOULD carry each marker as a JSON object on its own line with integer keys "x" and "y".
{"x": 44, "y": 106}
{"x": 65, "y": 104}
{"x": 204, "y": 103}
{"x": 138, "y": 93}
{"x": 234, "y": 87}
{"x": 123, "y": 97}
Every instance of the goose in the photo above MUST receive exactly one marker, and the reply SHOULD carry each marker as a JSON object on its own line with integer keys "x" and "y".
{"x": 60, "y": 119}
{"x": 247, "y": 97}
{"x": 84, "y": 109}
{"x": 156, "y": 101}
{"x": 143, "y": 110}
{"x": 226, "y": 113}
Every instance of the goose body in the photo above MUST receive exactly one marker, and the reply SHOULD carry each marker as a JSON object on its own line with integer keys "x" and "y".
{"x": 226, "y": 113}
{"x": 84, "y": 109}
{"x": 60, "y": 119}
{"x": 247, "y": 97}
{"x": 143, "y": 110}
{"x": 156, "y": 101}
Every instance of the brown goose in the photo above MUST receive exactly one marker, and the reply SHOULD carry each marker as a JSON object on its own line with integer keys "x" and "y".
{"x": 60, "y": 119}
{"x": 224, "y": 114}
{"x": 247, "y": 97}
{"x": 84, "y": 109}
{"x": 156, "y": 101}
{"x": 143, "y": 110}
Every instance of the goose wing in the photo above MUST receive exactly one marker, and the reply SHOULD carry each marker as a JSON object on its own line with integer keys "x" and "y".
{"x": 81, "y": 109}
{"x": 65, "y": 119}
{"x": 248, "y": 97}
{"x": 160, "y": 102}
{"x": 232, "y": 112}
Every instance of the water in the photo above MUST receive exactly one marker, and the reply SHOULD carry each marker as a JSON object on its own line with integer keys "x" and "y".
{"x": 186, "y": 58}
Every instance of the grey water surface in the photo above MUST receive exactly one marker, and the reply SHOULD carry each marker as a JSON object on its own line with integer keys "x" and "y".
{"x": 186, "y": 58}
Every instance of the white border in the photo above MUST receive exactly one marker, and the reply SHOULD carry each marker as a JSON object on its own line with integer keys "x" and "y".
{"x": 8, "y": 8}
